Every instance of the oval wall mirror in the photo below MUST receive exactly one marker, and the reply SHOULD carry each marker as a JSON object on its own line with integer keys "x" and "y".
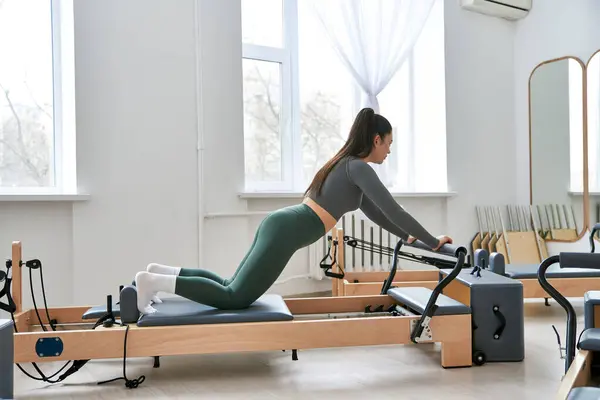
{"x": 557, "y": 148}
{"x": 593, "y": 136}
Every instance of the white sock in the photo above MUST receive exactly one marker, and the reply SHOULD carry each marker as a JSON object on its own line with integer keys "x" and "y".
{"x": 156, "y": 299}
{"x": 163, "y": 269}
{"x": 148, "y": 285}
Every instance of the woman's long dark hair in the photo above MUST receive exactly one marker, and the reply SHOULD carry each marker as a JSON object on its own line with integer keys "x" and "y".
{"x": 365, "y": 127}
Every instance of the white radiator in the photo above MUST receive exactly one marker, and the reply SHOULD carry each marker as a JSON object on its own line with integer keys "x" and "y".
{"x": 355, "y": 225}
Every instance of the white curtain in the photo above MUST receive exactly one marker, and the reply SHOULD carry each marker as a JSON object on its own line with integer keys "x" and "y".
{"x": 372, "y": 38}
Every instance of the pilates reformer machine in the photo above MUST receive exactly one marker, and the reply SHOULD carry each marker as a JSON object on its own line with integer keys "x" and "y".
{"x": 581, "y": 380}
{"x": 573, "y": 282}
{"x": 409, "y": 315}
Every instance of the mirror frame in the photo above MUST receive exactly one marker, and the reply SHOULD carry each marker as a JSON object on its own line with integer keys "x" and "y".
{"x": 585, "y": 228}
{"x": 588, "y": 198}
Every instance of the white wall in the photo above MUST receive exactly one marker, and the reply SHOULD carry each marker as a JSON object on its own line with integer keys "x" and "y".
{"x": 137, "y": 83}
{"x": 137, "y": 140}
{"x": 479, "y": 72}
{"x": 137, "y": 155}
{"x": 551, "y": 30}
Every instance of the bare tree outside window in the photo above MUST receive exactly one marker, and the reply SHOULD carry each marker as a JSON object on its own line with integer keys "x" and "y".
{"x": 26, "y": 107}
{"x": 300, "y": 101}
{"x": 262, "y": 106}
{"x": 319, "y": 123}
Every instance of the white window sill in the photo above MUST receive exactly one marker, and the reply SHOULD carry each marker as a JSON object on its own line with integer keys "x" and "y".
{"x": 579, "y": 193}
{"x": 41, "y": 196}
{"x": 299, "y": 195}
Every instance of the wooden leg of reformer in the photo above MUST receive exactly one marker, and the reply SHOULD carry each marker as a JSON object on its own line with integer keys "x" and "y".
{"x": 17, "y": 287}
{"x": 456, "y": 340}
{"x": 334, "y": 287}
{"x": 339, "y": 264}
{"x": 23, "y": 321}
{"x": 457, "y": 354}
{"x": 337, "y": 285}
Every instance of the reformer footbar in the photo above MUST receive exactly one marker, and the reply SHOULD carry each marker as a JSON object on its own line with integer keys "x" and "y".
{"x": 578, "y": 383}
{"x": 567, "y": 260}
{"x": 362, "y": 244}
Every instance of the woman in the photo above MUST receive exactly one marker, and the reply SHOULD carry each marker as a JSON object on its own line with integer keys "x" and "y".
{"x": 345, "y": 183}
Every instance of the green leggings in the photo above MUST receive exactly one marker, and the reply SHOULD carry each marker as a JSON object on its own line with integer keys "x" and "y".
{"x": 278, "y": 237}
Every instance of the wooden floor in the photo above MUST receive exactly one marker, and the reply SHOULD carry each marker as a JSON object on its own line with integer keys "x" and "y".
{"x": 407, "y": 372}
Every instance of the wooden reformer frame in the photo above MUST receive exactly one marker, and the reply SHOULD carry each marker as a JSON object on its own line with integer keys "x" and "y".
{"x": 306, "y": 331}
{"x": 579, "y": 373}
{"x": 370, "y": 283}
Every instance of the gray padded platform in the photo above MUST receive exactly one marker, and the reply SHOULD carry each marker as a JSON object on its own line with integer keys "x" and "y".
{"x": 7, "y": 349}
{"x": 529, "y": 271}
{"x": 590, "y": 299}
{"x": 180, "y": 311}
{"x": 590, "y": 339}
{"x": 584, "y": 393}
{"x": 416, "y": 298}
{"x": 99, "y": 311}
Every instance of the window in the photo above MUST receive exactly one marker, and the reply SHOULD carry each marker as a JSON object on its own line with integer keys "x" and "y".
{"x": 593, "y": 121}
{"x": 36, "y": 96}
{"x": 300, "y": 101}
{"x": 575, "y": 82}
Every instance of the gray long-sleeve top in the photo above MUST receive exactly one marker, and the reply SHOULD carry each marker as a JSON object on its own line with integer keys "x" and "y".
{"x": 353, "y": 184}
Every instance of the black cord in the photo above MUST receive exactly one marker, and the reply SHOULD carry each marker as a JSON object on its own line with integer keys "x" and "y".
{"x": 77, "y": 364}
{"x": 43, "y": 377}
{"x": 30, "y": 265}
{"x": 35, "y": 303}
{"x": 129, "y": 383}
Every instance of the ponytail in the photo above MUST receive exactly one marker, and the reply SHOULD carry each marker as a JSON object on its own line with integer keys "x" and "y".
{"x": 366, "y": 125}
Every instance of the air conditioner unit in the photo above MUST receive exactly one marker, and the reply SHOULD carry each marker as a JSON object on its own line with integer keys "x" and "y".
{"x": 508, "y": 9}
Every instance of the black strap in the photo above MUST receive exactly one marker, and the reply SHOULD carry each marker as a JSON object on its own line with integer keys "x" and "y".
{"x": 476, "y": 269}
{"x": 9, "y": 306}
{"x": 502, "y": 319}
{"x": 333, "y": 243}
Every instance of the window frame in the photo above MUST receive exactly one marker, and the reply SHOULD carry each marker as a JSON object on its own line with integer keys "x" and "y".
{"x": 287, "y": 58}
{"x": 63, "y": 171}
{"x": 290, "y": 116}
